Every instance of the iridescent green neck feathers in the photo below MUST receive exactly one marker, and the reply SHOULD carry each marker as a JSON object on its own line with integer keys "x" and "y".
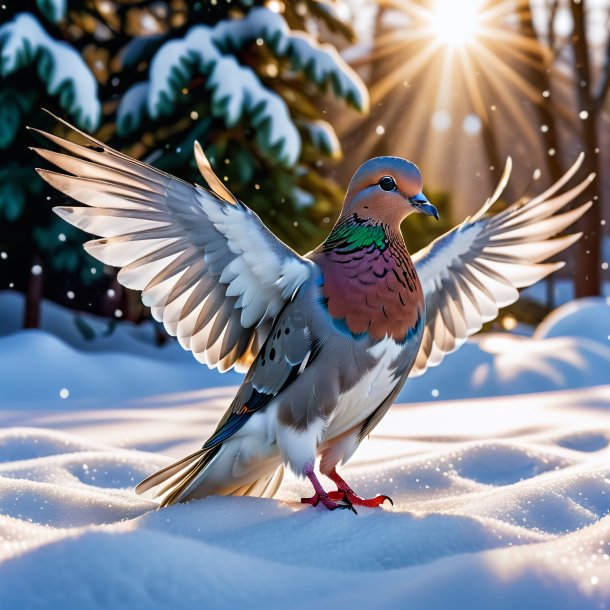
{"x": 353, "y": 233}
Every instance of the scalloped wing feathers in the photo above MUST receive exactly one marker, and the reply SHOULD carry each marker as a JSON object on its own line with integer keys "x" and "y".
{"x": 209, "y": 269}
{"x": 477, "y": 267}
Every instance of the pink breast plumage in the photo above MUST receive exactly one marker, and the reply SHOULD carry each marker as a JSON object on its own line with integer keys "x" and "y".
{"x": 372, "y": 290}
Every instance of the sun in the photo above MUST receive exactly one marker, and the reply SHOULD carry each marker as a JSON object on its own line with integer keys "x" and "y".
{"x": 455, "y": 24}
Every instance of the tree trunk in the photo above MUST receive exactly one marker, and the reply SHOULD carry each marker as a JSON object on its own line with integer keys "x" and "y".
{"x": 589, "y": 247}
{"x": 131, "y": 305}
{"x": 539, "y": 77}
{"x": 33, "y": 296}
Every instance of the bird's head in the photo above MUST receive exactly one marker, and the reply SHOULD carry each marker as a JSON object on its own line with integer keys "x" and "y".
{"x": 387, "y": 190}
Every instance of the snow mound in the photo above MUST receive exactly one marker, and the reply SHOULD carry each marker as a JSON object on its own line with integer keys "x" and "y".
{"x": 62, "y": 374}
{"x": 510, "y": 513}
{"x": 500, "y": 364}
{"x": 105, "y": 335}
{"x": 588, "y": 318}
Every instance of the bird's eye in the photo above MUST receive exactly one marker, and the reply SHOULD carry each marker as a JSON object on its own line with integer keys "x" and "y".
{"x": 387, "y": 183}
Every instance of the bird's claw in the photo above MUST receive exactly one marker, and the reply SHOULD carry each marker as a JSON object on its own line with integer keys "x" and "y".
{"x": 331, "y": 503}
{"x": 356, "y": 500}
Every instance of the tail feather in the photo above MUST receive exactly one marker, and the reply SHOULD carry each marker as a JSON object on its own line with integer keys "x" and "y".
{"x": 265, "y": 487}
{"x": 178, "y": 481}
{"x": 177, "y": 491}
{"x": 165, "y": 473}
{"x": 177, "y": 477}
{"x": 214, "y": 472}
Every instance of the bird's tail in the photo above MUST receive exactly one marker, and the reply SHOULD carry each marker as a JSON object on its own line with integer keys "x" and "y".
{"x": 172, "y": 481}
{"x": 186, "y": 479}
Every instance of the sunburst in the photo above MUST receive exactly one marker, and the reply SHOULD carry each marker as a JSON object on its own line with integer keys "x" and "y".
{"x": 455, "y": 24}
{"x": 458, "y": 61}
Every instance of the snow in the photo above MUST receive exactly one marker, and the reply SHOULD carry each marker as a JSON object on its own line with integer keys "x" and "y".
{"x": 500, "y": 364}
{"x": 588, "y": 318}
{"x": 64, "y": 358}
{"x": 570, "y": 349}
{"x": 499, "y": 501}
{"x": 23, "y": 41}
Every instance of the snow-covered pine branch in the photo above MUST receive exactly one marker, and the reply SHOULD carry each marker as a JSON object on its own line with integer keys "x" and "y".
{"x": 53, "y": 10}
{"x": 320, "y": 62}
{"x": 236, "y": 90}
{"x": 132, "y": 109}
{"x": 24, "y": 42}
{"x": 322, "y": 136}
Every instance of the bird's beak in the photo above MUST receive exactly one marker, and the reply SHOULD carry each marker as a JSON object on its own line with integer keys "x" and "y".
{"x": 421, "y": 204}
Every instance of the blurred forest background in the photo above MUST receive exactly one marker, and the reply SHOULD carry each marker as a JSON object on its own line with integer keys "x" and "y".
{"x": 288, "y": 98}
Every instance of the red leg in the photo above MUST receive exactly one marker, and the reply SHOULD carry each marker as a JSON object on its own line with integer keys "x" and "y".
{"x": 321, "y": 495}
{"x": 349, "y": 494}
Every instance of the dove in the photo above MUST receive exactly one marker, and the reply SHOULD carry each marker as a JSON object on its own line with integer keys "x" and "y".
{"x": 326, "y": 340}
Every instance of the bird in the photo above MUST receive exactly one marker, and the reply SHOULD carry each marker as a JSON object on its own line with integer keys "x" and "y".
{"x": 326, "y": 340}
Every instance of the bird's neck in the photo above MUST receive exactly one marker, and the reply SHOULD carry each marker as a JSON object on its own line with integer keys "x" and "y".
{"x": 354, "y": 233}
{"x": 369, "y": 284}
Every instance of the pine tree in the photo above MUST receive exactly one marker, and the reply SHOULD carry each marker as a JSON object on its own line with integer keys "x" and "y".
{"x": 38, "y": 69}
{"x": 248, "y": 79}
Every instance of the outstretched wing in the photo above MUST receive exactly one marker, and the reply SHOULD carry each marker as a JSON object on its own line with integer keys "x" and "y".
{"x": 206, "y": 265}
{"x": 477, "y": 267}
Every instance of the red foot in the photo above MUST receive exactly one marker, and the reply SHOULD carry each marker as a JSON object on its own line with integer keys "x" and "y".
{"x": 345, "y": 492}
{"x": 336, "y": 501}
{"x": 357, "y": 500}
{"x": 322, "y": 496}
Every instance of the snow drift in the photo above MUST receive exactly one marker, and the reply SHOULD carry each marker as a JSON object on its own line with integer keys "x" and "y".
{"x": 510, "y": 511}
{"x": 499, "y": 501}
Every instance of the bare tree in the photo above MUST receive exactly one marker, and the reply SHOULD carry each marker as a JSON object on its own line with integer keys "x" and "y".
{"x": 588, "y": 254}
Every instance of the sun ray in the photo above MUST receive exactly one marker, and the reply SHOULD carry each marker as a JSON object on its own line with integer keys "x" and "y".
{"x": 460, "y": 58}
{"x": 388, "y": 43}
{"x": 412, "y": 68}
{"x": 472, "y": 87}
{"x": 510, "y": 74}
{"x": 512, "y": 108}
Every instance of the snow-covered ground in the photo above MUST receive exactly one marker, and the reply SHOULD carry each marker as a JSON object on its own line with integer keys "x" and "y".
{"x": 499, "y": 468}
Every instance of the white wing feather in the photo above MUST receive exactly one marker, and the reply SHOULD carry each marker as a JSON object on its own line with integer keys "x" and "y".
{"x": 206, "y": 265}
{"x": 477, "y": 267}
